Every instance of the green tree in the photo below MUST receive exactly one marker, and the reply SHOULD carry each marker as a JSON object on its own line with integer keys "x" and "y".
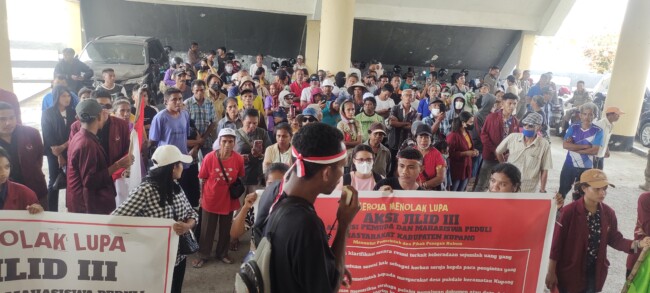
{"x": 601, "y": 52}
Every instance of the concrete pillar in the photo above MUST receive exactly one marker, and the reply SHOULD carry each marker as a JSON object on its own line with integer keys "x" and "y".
{"x": 74, "y": 25}
{"x": 311, "y": 46}
{"x": 527, "y": 47}
{"x": 335, "y": 49}
{"x": 6, "y": 77}
{"x": 630, "y": 72}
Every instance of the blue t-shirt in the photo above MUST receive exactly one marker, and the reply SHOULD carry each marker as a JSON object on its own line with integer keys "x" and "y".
{"x": 168, "y": 130}
{"x": 48, "y": 102}
{"x": 330, "y": 118}
{"x": 593, "y": 136}
{"x": 423, "y": 107}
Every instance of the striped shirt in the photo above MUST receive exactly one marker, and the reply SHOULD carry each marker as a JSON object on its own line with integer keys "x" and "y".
{"x": 592, "y": 136}
{"x": 531, "y": 160}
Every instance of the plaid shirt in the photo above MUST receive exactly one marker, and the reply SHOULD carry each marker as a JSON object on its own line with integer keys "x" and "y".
{"x": 202, "y": 116}
{"x": 143, "y": 201}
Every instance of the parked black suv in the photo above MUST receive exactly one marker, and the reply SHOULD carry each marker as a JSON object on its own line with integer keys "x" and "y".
{"x": 135, "y": 59}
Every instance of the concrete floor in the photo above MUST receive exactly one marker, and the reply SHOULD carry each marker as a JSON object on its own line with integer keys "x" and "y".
{"x": 625, "y": 170}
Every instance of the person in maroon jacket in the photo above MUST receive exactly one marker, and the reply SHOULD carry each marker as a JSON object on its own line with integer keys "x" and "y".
{"x": 90, "y": 186}
{"x": 25, "y": 148}
{"x": 11, "y": 99}
{"x": 113, "y": 136}
{"x": 496, "y": 127}
{"x": 15, "y": 196}
{"x": 461, "y": 151}
{"x": 578, "y": 261}
{"x": 642, "y": 227}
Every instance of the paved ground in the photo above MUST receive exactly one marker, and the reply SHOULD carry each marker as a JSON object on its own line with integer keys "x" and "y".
{"x": 624, "y": 169}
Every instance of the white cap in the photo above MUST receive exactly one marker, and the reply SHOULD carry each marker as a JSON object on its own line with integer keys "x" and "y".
{"x": 327, "y": 82}
{"x": 368, "y": 95}
{"x": 167, "y": 155}
{"x": 284, "y": 93}
{"x": 300, "y": 57}
{"x": 227, "y": 131}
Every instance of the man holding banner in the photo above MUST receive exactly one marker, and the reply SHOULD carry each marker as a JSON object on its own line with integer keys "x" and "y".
{"x": 302, "y": 260}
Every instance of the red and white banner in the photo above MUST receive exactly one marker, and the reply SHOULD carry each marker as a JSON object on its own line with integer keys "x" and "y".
{"x": 66, "y": 253}
{"x": 427, "y": 241}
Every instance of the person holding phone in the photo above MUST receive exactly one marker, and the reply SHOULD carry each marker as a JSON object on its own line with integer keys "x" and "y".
{"x": 250, "y": 143}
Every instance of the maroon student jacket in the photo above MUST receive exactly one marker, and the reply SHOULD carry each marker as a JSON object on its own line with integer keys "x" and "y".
{"x": 492, "y": 133}
{"x": 642, "y": 227}
{"x": 18, "y": 197}
{"x": 30, "y": 155}
{"x": 90, "y": 188}
{"x": 569, "y": 246}
{"x": 118, "y": 135}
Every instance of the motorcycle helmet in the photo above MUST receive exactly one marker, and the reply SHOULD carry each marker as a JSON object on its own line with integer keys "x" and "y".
{"x": 292, "y": 61}
{"x": 442, "y": 72}
{"x": 284, "y": 64}
{"x": 274, "y": 66}
{"x": 397, "y": 69}
{"x": 230, "y": 56}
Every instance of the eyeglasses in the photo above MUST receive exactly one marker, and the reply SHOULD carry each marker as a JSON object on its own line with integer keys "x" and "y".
{"x": 310, "y": 119}
{"x": 369, "y": 160}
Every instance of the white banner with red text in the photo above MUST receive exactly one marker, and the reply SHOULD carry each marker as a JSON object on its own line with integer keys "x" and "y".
{"x": 80, "y": 253}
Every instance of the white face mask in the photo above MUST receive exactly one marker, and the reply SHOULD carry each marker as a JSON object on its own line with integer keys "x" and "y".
{"x": 435, "y": 112}
{"x": 364, "y": 168}
{"x": 459, "y": 105}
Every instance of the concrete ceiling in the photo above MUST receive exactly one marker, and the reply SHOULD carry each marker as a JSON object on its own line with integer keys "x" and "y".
{"x": 542, "y": 17}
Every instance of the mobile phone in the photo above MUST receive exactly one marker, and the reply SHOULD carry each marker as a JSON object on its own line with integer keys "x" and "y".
{"x": 292, "y": 111}
{"x": 257, "y": 145}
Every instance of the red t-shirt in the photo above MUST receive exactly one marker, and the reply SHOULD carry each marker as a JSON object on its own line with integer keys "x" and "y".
{"x": 216, "y": 198}
{"x": 432, "y": 161}
{"x": 296, "y": 89}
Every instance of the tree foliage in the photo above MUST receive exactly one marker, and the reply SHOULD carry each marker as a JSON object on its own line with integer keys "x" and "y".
{"x": 601, "y": 52}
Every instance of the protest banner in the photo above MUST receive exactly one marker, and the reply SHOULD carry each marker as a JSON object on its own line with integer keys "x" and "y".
{"x": 424, "y": 241}
{"x": 80, "y": 253}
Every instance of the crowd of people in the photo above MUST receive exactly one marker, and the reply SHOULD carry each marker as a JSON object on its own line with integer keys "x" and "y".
{"x": 301, "y": 135}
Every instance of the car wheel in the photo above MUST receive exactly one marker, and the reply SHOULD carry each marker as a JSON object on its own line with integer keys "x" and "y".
{"x": 644, "y": 134}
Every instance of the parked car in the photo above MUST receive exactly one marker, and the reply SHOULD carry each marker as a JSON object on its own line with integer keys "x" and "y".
{"x": 135, "y": 59}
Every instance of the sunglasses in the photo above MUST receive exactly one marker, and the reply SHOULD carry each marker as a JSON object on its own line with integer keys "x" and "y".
{"x": 310, "y": 119}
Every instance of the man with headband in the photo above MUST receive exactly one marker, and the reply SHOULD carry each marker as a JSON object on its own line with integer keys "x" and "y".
{"x": 302, "y": 260}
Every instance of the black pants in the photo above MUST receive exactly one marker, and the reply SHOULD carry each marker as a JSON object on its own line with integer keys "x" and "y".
{"x": 599, "y": 163}
{"x": 179, "y": 275}
{"x": 52, "y": 192}
{"x": 568, "y": 176}
{"x": 190, "y": 183}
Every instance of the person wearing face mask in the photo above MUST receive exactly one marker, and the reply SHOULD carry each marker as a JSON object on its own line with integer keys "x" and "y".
{"x": 361, "y": 176}
{"x": 431, "y": 95}
{"x": 434, "y": 167}
{"x": 456, "y": 106}
{"x": 461, "y": 151}
{"x": 437, "y": 120}
{"x": 528, "y": 152}
{"x": 497, "y": 127}
{"x": 226, "y": 75}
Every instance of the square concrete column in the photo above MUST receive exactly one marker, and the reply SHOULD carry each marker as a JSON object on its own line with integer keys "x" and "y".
{"x": 311, "y": 47}
{"x": 6, "y": 82}
{"x": 630, "y": 71}
{"x": 527, "y": 48}
{"x": 335, "y": 49}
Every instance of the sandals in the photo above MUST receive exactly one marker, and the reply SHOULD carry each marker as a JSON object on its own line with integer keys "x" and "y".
{"x": 226, "y": 260}
{"x": 199, "y": 262}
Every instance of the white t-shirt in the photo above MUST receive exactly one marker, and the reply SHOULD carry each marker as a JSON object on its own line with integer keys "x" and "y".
{"x": 305, "y": 95}
{"x": 254, "y": 67}
{"x": 387, "y": 104}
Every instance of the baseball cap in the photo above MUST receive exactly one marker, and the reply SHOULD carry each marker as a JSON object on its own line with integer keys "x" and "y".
{"x": 227, "y": 132}
{"x": 178, "y": 72}
{"x": 167, "y": 155}
{"x": 595, "y": 178}
{"x": 300, "y": 57}
{"x": 313, "y": 77}
{"x": 614, "y": 110}
{"x": 316, "y": 91}
{"x": 310, "y": 112}
{"x": 423, "y": 129}
{"x": 88, "y": 110}
{"x": 368, "y": 95}
{"x": 376, "y": 127}
{"x": 533, "y": 118}
{"x": 327, "y": 82}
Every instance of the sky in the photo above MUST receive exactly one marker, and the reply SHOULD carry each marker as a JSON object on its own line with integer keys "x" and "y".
{"x": 564, "y": 51}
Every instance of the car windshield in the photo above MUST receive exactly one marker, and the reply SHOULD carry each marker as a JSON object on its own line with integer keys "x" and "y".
{"x": 114, "y": 53}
